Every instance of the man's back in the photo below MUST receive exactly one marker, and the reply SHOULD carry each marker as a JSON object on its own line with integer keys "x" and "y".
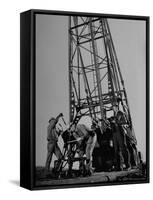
{"x": 82, "y": 130}
{"x": 51, "y": 132}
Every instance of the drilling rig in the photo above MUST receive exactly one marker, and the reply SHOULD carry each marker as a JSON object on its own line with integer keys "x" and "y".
{"x": 96, "y": 85}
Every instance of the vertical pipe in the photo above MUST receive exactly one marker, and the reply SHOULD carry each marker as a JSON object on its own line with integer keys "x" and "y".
{"x": 75, "y": 19}
{"x": 96, "y": 70}
{"x": 113, "y": 101}
{"x": 70, "y": 70}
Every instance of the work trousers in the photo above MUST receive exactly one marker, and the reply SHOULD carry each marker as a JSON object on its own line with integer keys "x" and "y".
{"x": 52, "y": 147}
{"x": 120, "y": 148}
{"x": 89, "y": 147}
{"x": 133, "y": 153}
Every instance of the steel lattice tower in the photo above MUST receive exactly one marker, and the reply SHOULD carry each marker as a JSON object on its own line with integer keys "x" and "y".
{"x": 95, "y": 81}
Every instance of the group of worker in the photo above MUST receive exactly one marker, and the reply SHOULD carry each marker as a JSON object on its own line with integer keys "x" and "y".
{"x": 86, "y": 139}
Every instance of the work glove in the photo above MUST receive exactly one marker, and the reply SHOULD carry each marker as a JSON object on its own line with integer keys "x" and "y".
{"x": 61, "y": 115}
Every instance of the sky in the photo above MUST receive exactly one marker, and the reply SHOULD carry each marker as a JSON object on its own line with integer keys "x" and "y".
{"x": 52, "y": 95}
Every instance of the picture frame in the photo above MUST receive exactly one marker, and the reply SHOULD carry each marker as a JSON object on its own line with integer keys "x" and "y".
{"x": 35, "y": 43}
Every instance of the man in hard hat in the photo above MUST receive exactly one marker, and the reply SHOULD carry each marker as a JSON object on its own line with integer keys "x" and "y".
{"x": 86, "y": 140}
{"x": 52, "y": 138}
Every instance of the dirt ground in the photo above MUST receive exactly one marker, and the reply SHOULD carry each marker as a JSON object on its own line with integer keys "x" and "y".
{"x": 99, "y": 177}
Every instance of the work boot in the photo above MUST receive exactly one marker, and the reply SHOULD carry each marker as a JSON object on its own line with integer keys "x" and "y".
{"x": 118, "y": 168}
{"x": 128, "y": 167}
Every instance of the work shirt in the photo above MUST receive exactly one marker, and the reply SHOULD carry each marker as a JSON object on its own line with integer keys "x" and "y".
{"x": 81, "y": 131}
{"x": 52, "y": 135}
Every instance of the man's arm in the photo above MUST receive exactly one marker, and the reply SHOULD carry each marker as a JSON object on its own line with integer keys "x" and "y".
{"x": 60, "y": 115}
{"x": 56, "y": 120}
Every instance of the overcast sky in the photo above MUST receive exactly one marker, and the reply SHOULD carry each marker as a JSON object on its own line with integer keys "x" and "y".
{"x": 52, "y": 73}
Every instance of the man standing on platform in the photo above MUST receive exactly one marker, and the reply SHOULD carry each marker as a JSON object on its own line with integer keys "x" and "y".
{"x": 52, "y": 138}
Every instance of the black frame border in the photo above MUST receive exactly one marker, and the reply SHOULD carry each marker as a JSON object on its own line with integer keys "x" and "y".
{"x": 28, "y": 96}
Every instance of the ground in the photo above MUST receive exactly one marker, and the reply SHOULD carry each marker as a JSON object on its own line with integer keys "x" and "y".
{"x": 100, "y": 177}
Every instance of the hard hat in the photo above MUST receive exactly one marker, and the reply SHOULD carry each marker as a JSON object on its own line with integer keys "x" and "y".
{"x": 52, "y": 118}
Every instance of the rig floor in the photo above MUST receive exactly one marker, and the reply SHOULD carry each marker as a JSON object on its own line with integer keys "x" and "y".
{"x": 132, "y": 175}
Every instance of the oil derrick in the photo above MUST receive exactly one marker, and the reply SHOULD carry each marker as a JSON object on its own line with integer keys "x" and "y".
{"x": 96, "y": 85}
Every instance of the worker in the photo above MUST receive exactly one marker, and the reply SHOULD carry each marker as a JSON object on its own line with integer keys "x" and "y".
{"x": 120, "y": 146}
{"x": 86, "y": 140}
{"x": 133, "y": 152}
{"x": 52, "y": 138}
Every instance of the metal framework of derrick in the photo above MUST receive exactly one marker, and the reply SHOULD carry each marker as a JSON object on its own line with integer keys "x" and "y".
{"x": 95, "y": 80}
